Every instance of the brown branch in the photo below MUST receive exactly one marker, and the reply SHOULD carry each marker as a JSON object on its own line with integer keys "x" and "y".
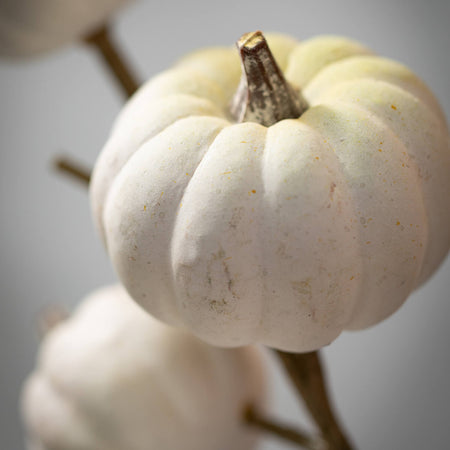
{"x": 115, "y": 61}
{"x": 305, "y": 371}
{"x": 69, "y": 167}
{"x": 281, "y": 431}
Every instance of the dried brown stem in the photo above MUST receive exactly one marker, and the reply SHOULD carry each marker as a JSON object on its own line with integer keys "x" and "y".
{"x": 114, "y": 60}
{"x": 263, "y": 96}
{"x": 294, "y": 436}
{"x": 305, "y": 371}
{"x": 73, "y": 169}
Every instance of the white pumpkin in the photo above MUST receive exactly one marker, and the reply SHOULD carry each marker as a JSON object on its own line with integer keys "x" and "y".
{"x": 31, "y": 27}
{"x": 113, "y": 378}
{"x": 284, "y": 235}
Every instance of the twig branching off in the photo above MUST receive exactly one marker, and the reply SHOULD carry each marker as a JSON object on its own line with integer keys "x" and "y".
{"x": 76, "y": 170}
{"x": 114, "y": 60}
{"x": 293, "y": 435}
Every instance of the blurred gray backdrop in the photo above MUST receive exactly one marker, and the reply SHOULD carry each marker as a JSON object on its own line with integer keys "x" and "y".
{"x": 390, "y": 383}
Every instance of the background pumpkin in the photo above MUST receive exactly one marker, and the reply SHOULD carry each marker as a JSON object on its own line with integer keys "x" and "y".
{"x": 31, "y": 27}
{"x": 111, "y": 377}
{"x": 283, "y": 235}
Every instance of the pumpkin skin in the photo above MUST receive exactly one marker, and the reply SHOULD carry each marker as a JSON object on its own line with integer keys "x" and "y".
{"x": 32, "y": 27}
{"x": 113, "y": 378}
{"x": 284, "y": 235}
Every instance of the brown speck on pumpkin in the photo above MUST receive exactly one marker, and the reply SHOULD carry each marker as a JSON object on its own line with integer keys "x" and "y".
{"x": 218, "y": 306}
{"x": 332, "y": 188}
{"x": 394, "y": 107}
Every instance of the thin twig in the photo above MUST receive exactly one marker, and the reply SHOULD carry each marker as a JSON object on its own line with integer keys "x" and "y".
{"x": 295, "y": 436}
{"x": 67, "y": 166}
{"x": 306, "y": 373}
{"x": 114, "y": 59}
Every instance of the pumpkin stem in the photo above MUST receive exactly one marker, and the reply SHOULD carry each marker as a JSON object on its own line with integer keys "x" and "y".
{"x": 65, "y": 165}
{"x": 263, "y": 96}
{"x": 101, "y": 40}
{"x": 307, "y": 375}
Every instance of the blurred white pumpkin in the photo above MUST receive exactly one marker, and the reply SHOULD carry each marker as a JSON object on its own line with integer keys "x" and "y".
{"x": 288, "y": 234}
{"x": 113, "y": 378}
{"x": 31, "y": 27}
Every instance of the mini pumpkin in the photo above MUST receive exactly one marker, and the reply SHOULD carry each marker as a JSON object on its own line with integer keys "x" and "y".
{"x": 284, "y": 233}
{"x": 31, "y": 27}
{"x": 113, "y": 378}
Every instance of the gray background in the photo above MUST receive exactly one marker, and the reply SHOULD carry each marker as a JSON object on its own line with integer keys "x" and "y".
{"x": 390, "y": 383}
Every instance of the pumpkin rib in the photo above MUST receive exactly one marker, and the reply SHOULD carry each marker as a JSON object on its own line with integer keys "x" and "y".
{"x": 361, "y": 305}
{"x": 313, "y": 55}
{"x": 370, "y": 67}
{"x": 175, "y": 225}
{"x": 103, "y": 181}
{"x": 260, "y": 334}
{"x": 222, "y": 180}
{"x": 134, "y": 107}
{"x": 415, "y": 152}
{"x": 165, "y": 308}
{"x": 219, "y": 64}
{"x": 310, "y": 298}
{"x": 359, "y": 290}
{"x": 185, "y": 81}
